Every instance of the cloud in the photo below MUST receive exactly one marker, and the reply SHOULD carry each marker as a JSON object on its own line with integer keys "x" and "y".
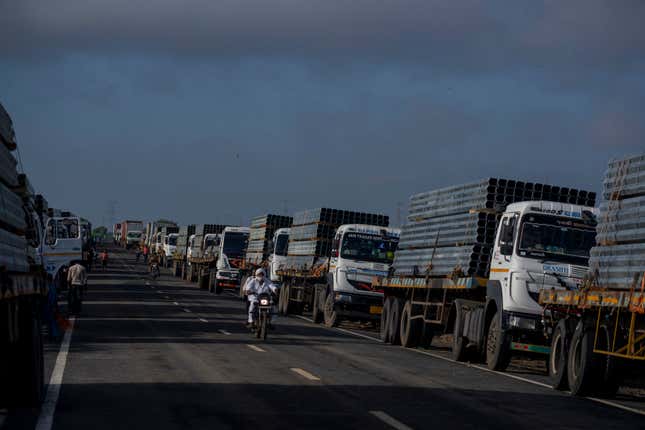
{"x": 469, "y": 35}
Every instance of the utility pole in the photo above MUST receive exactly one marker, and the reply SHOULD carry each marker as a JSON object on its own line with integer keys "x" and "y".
{"x": 110, "y": 213}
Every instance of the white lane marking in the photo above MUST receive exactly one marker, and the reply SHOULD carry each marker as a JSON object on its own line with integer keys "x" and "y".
{"x": 486, "y": 369}
{"x": 166, "y": 297}
{"x": 187, "y": 310}
{"x": 228, "y": 293}
{"x": 392, "y": 422}
{"x": 175, "y": 303}
{"x": 46, "y": 418}
{"x": 224, "y": 332}
{"x": 148, "y": 283}
{"x": 305, "y": 374}
{"x": 203, "y": 320}
{"x": 255, "y": 348}
{"x": 3, "y": 416}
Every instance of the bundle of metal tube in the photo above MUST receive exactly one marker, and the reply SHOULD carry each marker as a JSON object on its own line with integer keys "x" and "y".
{"x": 262, "y": 229}
{"x": 313, "y": 231}
{"x": 453, "y": 229}
{"x": 619, "y": 258}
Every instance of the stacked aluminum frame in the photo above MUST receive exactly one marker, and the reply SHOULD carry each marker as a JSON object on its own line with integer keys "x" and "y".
{"x": 262, "y": 229}
{"x": 619, "y": 258}
{"x": 313, "y": 231}
{"x": 453, "y": 229}
{"x": 13, "y": 242}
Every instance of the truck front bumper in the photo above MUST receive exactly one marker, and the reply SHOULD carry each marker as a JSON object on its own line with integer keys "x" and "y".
{"x": 358, "y": 306}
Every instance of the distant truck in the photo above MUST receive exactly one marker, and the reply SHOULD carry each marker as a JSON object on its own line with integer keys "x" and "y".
{"x": 131, "y": 234}
{"x": 331, "y": 262}
{"x": 230, "y": 258}
{"x": 202, "y": 255}
{"x": 279, "y": 252}
{"x": 473, "y": 259}
{"x": 33, "y": 244}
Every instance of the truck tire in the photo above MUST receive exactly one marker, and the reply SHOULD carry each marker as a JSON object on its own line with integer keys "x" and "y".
{"x": 285, "y": 300}
{"x": 459, "y": 350}
{"x": 395, "y": 321}
{"x": 283, "y": 288}
{"x": 200, "y": 280}
{"x": 498, "y": 345}
{"x": 242, "y": 284}
{"x": 557, "y": 361}
{"x": 611, "y": 367}
{"x": 385, "y": 320}
{"x": 331, "y": 316}
{"x": 316, "y": 314}
{"x": 410, "y": 330}
{"x": 582, "y": 364}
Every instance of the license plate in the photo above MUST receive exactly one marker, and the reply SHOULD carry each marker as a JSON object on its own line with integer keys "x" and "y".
{"x": 376, "y": 309}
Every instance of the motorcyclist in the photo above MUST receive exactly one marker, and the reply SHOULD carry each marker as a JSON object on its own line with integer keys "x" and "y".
{"x": 259, "y": 284}
{"x": 153, "y": 265}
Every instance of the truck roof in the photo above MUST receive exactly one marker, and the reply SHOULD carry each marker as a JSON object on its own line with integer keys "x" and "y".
{"x": 237, "y": 230}
{"x": 283, "y": 230}
{"x": 555, "y": 208}
{"x": 369, "y": 229}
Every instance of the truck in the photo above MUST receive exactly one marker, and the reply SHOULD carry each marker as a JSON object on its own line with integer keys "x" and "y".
{"x": 472, "y": 260}
{"x": 32, "y": 246}
{"x": 167, "y": 244}
{"x": 332, "y": 257}
{"x": 230, "y": 258}
{"x": 116, "y": 233}
{"x": 278, "y": 257}
{"x": 260, "y": 245}
{"x": 202, "y": 255}
{"x": 154, "y": 235}
{"x": 179, "y": 257}
{"x": 597, "y": 331}
{"x": 131, "y": 233}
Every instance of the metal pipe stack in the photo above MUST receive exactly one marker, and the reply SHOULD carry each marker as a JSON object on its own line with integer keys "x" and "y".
{"x": 619, "y": 257}
{"x": 262, "y": 229}
{"x": 13, "y": 242}
{"x": 453, "y": 229}
{"x": 313, "y": 231}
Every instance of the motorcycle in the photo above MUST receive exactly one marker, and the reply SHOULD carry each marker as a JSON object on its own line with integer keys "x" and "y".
{"x": 262, "y": 315}
{"x": 154, "y": 271}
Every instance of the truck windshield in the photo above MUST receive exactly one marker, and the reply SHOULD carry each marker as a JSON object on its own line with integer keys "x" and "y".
{"x": 235, "y": 244}
{"x": 172, "y": 241}
{"x": 368, "y": 247}
{"x": 556, "y": 238}
{"x": 134, "y": 235}
{"x": 282, "y": 244}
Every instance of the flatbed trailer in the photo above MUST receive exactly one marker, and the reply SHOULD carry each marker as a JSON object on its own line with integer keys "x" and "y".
{"x": 202, "y": 270}
{"x": 301, "y": 288}
{"x": 596, "y": 334}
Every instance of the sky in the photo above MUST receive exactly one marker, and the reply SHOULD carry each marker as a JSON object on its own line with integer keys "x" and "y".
{"x": 215, "y": 111}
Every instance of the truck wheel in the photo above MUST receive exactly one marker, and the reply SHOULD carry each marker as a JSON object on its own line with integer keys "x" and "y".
{"x": 331, "y": 316}
{"x": 583, "y": 366}
{"x": 611, "y": 367}
{"x": 410, "y": 330}
{"x": 385, "y": 320}
{"x": 557, "y": 361}
{"x": 395, "y": 321}
{"x": 498, "y": 348}
{"x": 316, "y": 314}
{"x": 242, "y": 284}
{"x": 285, "y": 301}
{"x": 459, "y": 351}
{"x": 200, "y": 283}
{"x": 283, "y": 288}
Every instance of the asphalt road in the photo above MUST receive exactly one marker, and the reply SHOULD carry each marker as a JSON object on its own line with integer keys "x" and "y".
{"x": 167, "y": 355}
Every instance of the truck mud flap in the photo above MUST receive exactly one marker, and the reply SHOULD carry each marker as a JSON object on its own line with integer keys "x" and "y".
{"x": 473, "y": 321}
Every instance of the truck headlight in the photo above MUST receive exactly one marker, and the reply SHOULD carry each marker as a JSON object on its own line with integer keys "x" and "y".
{"x": 340, "y": 297}
{"x": 522, "y": 323}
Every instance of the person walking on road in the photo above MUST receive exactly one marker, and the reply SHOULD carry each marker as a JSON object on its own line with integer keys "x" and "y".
{"x": 138, "y": 254}
{"x": 253, "y": 288}
{"x": 90, "y": 258}
{"x": 104, "y": 259}
{"x": 77, "y": 281}
{"x": 146, "y": 251}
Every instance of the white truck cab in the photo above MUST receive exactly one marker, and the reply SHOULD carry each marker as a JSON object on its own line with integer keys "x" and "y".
{"x": 133, "y": 238}
{"x": 170, "y": 244}
{"x": 62, "y": 244}
{"x": 278, "y": 257}
{"x": 359, "y": 253}
{"x": 211, "y": 244}
{"x": 232, "y": 249}
{"x": 539, "y": 244}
